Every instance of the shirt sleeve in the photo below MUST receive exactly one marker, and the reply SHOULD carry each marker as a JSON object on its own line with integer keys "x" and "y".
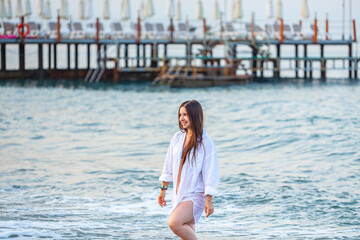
{"x": 167, "y": 172}
{"x": 210, "y": 172}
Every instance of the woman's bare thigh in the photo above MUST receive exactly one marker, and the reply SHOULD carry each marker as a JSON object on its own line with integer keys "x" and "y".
{"x": 183, "y": 214}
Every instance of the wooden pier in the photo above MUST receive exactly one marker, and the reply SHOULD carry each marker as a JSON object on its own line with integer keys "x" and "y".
{"x": 147, "y": 67}
{"x": 140, "y": 59}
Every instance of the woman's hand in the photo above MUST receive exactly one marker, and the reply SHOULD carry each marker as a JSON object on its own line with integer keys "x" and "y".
{"x": 209, "y": 207}
{"x": 161, "y": 198}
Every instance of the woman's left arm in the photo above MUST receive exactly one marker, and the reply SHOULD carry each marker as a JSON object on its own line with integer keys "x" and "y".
{"x": 209, "y": 206}
{"x": 210, "y": 174}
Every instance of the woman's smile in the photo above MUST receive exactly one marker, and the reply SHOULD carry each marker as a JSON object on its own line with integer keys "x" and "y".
{"x": 184, "y": 118}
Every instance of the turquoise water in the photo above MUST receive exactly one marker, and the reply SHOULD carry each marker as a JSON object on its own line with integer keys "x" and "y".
{"x": 82, "y": 161}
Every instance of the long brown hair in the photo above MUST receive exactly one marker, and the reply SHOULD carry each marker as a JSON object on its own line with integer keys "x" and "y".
{"x": 195, "y": 113}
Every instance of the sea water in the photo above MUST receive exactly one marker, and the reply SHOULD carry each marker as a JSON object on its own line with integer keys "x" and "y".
{"x": 82, "y": 161}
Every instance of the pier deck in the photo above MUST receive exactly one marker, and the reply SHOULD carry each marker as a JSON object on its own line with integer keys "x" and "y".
{"x": 147, "y": 62}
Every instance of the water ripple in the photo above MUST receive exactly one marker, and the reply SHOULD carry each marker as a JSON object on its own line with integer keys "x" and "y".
{"x": 75, "y": 169}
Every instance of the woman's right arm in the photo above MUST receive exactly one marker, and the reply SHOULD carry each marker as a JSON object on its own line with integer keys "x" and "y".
{"x": 167, "y": 173}
{"x": 161, "y": 197}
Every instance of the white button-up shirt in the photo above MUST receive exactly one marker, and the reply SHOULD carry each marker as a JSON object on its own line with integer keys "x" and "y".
{"x": 199, "y": 175}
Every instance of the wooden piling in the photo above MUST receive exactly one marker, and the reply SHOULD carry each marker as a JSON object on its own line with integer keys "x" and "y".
{"x": 3, "y": 57}
{"x": 55, "y": 56}
{"x": 126, "y": 55}
{"x": 323, "y": 63}
{"x": 350, "y": 60}
{"x": 165, "y": 50}
{"x": 118, "y": 51}
{"x": 49, "y": 56}
{"x": 77, "y": 61}
{"x": 76, "y": 57}
{"x": 137, "y": 55}
{"x": 276, "y": 73}
{"x": 40, "y": 60}
{"x": 188, "y": 53}
{"x": 296, "y": 61}
{"x": 154, "y": 50}
{"x": 22, "y": 59}
{"x": 88, "y": 55}
{"x": 305, "y": 61}
{"x": 144, "y": 55}
{"x": 254, "y": 61}
{"x": 105, "y": 56}
{"x": 68, "y": 56}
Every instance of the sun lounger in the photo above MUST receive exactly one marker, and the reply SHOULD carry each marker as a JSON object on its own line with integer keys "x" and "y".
{"x": 9, "y": 28}
{"x": 184, "y": 31}
{"x": 34, "y": 31}
{"x": 160, "y": 31}
{"x": 149, "y": 30}
{"x": 269, "y": 29}
{"x": 319, "y": 34}
{"x": 104, "y": 33}
{"x": 258, "y": 31}
{"x": 117, "y": 30}
{"x": 52, "y": 31}
{"x": 286, "y": 31}
{"x": 231, "y": 32}
{"x": 299, "y": 34}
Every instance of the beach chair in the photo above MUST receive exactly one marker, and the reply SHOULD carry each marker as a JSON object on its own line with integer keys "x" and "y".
{"x": 104, "y": 33}
{"x": 260, "y": 34}
{"x": 182, "y": 29}
{"x": 9, "y": 28}
{"x": 77, "y": 30}
{"x": 185, "y": 31}
{"x": 320, "y": 34}
{"x": 231, "y": 32}
{"x": 269, "y": 30}
{"x": 90, "y": 30}
{"x": 297, "y": 31}
{"x": 133, "y": 30}
{"x": 34, "y": 31}
{"x": 286, "y": 31}
{"x": 52, "y": 31}
{"x": 117, "y": 30}
{"x": 149, "y": 30}
{"x": 299, "y": 34}
{"x": 160, "y": 31}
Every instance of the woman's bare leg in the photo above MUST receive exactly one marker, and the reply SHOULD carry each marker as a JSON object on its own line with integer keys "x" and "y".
{"x": 182, "y": 222}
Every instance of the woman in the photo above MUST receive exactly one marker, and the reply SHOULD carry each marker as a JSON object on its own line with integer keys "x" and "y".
{"x": 191, "y": 164}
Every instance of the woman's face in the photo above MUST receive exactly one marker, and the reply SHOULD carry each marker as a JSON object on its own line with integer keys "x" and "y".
{"x": 184, "y": 118}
